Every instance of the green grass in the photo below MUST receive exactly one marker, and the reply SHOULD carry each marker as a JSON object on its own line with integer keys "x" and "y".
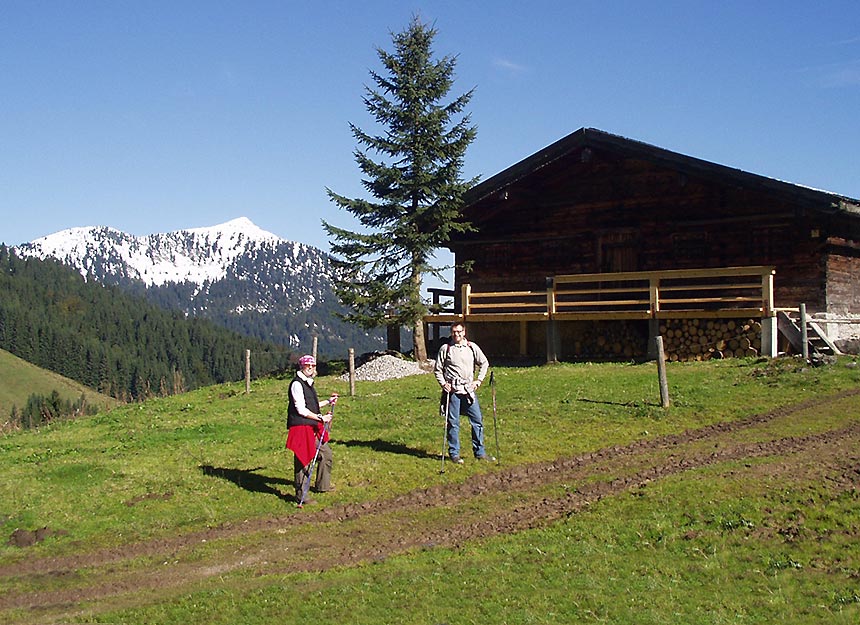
{"x": 707, "y": 546}
{"x": 665, "y": 556}
{"x": 21, "y": 379}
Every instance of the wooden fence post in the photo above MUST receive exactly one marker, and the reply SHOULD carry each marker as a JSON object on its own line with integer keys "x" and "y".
{"x": 661, "y": 372}
{"x": 552, "y": 342}
{"x": 804, "y": 337}
{"x": 465, "y": 301}
{"x": 351, "y": 371}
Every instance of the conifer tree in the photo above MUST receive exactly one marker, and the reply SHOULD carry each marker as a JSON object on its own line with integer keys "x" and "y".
{"x": 416, "y": 186}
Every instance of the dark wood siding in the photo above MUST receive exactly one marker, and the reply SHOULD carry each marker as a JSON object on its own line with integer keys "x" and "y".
{"x": 600, "y": 210}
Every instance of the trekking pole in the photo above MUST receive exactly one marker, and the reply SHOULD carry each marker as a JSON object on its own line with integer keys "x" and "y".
{"x": 445, "y": 429}
{"x": 307, "y": 485}
{"x": 495, "y": 427}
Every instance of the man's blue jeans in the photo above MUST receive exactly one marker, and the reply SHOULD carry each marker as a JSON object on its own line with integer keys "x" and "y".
{"x": 473, "y": 411}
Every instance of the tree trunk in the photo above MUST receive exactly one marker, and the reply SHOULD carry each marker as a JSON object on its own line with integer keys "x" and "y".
{"x": 419, "y": 345}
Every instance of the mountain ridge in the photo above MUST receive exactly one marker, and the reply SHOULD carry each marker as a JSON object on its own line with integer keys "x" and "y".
{"x": 236, "y": 274}
{"x": 150, "y": 258}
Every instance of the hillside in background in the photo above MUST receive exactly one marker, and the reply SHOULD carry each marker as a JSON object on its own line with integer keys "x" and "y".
{"x": 113, "y": 342}
{"x": 234, "y": 274}
{"x": 21, "y": 379}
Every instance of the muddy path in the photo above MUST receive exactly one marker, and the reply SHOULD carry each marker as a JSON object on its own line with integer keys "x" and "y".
{"x": 510, "y": 499}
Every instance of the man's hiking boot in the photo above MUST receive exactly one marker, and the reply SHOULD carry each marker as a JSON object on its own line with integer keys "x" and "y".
{"x": 456, "y": 460}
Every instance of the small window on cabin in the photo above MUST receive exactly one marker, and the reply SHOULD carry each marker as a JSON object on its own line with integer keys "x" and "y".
{"x": 690, "y": 247}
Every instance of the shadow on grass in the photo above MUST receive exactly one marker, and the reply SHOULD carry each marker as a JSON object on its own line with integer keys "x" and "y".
{"x": 388, "y": 448}
{"x": 628, "y": 404}
{"x": 250, "y": 480}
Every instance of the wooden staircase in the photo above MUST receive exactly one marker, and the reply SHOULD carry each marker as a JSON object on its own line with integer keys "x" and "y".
{"x": 789, "y": 326}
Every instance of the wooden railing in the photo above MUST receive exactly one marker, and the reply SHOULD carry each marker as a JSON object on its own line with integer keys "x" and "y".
{"x": 724, "y": 292}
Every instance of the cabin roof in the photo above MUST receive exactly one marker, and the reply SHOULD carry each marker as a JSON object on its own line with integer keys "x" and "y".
{"x": 583, "y": 138}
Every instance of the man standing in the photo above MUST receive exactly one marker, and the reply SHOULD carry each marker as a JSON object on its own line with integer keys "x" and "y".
{"x": 306, "y": 427}
{"x": 455, "y": 372}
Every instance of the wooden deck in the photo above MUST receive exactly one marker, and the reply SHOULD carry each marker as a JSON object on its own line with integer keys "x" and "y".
{"x": 674, "y": 294}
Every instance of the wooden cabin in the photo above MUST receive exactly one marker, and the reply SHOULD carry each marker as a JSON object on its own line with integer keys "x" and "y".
{"x": 575, "y": 245}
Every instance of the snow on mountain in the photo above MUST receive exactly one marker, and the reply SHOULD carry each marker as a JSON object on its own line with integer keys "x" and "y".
{"x": 236, "y": 274}
{"x": 195, "y": 255}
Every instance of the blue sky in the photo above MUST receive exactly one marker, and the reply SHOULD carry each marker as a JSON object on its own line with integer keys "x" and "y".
{"x": 153, "y": 116}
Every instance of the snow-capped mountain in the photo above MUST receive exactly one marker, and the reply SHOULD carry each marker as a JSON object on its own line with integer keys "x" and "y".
{"x": 195, "y": 255}
{"x": 235, "y": 273}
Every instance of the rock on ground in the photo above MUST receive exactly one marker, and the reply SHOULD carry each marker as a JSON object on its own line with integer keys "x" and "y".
{"x": 386, "y": 367}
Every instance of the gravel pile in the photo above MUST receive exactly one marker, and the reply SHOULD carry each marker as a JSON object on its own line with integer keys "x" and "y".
{"x": 385, "y": 367}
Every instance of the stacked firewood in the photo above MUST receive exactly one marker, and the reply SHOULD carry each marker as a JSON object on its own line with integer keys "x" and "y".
{"x": 609, "y": 341}
{"x": 703, "y": 339}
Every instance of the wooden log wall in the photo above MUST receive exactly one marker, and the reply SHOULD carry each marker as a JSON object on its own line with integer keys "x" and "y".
{"x": 618, "y": 212}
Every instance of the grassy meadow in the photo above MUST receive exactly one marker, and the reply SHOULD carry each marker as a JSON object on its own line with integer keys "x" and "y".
{"x": 767, "y": 539}
{"x": 20, "y": 379}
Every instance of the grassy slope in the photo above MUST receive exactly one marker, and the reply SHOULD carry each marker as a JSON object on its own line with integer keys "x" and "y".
{"x": 21, "y": 379}
{"x": 684, "y": 551}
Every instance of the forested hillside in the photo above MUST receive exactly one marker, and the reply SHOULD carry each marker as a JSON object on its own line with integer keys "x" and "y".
{"x": 110, "y": 341}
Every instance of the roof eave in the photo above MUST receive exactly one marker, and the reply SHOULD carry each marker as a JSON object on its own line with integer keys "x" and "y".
{"x": 592, "y": 137}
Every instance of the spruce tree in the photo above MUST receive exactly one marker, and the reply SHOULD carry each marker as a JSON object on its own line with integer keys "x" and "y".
{"x": 416, "y": 186}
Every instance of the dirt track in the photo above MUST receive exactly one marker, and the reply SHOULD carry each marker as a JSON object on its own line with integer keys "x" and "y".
{"x": 516, "y": 498}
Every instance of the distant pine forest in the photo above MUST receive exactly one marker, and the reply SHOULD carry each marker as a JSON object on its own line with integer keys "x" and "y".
{"x": 115, "y": 343}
